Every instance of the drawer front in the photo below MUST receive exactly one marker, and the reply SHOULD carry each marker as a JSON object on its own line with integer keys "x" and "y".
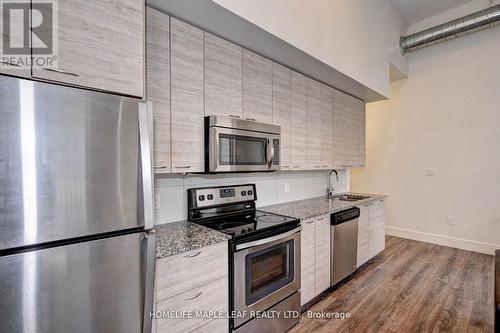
{"x": 218, "y": 325}
{"x": 213, "y": 296}
{"x": 185, "y": 271}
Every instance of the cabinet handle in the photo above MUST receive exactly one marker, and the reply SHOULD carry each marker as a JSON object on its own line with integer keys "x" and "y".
{"x": 234, "y": 116}
{"x": 344, "y": 166}
{"x": 192, "y": 255}
{"x": 349, "y": 166}
{"x": 250, "y": 119}
{"x": 320, "y": 218}
{"x": 317, "y": 166}
{"x": 9, "y": 63}
{"x": 310, "y": 221}
{"x": 59, "y": 71}
{"x": 325, "y": 166}
{"x": 285, "y": 166}
{"x": 161, "y": 167}
{"x": 183, "y": 167}
{"x": 296, "y": 166}
{"x": 193, "y": 297}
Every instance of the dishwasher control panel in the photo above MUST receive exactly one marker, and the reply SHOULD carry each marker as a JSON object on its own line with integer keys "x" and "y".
{"x": 345, "y": 215}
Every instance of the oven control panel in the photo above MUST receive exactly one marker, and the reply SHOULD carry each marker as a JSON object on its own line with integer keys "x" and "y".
{"x": 214, "y": 196}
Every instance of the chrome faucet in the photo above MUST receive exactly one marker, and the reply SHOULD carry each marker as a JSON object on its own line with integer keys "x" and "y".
{"x": 331, "y": 190}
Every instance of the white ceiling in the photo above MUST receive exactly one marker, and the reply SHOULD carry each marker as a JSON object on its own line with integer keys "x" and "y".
{"x": 415, "y": 10}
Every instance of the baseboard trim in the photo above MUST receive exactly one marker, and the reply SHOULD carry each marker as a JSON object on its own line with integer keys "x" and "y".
{"x": 458, "y": 243}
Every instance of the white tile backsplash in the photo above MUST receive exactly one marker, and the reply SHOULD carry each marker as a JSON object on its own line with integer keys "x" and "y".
{"x": 172, "y": 189}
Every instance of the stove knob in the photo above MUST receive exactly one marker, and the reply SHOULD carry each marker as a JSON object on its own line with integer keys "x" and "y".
{"x": 210, "y": 196}
{"x": 201, "y": 197}
{"x": 243, "y": 231}
{"x": 249, "y": 229}
{"x": 243, "y": 193}
{"x": 250, "y": 192}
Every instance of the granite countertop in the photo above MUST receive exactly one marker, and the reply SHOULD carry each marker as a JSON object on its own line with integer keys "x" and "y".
{"x": 183, "y": 236}
{"x": 308, "y": 208}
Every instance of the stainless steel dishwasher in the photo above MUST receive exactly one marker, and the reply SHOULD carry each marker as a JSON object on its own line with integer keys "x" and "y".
{"x": 344, "y": 244}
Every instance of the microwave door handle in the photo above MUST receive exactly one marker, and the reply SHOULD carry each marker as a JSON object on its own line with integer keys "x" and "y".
{"x": 267, "y": 240}
{"x": 271, "y": 161}
{"x": 268, "y": 153}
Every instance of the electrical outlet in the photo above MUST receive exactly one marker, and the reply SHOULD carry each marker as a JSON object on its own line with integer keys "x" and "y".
{"x": 429, "y": 172}
{"x": 287, "y": 187}
{"x": 157, "y": 201}
{"x": 450, "y": 220}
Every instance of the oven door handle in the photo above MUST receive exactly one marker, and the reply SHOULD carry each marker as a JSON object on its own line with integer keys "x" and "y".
{"x": 267, "y": 240}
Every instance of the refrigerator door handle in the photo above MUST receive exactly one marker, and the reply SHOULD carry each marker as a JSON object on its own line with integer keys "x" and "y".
{"x": 149, "y": 276}
{"x": 145, "y": 138}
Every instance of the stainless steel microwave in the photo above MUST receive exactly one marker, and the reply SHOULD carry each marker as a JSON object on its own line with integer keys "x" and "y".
{"x": 237, "y": 145}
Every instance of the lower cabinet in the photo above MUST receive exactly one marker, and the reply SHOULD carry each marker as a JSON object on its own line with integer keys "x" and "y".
{"x": 190, "y": 282}
{"x": 371, "y": 231}
{"x": 315, "y": 257}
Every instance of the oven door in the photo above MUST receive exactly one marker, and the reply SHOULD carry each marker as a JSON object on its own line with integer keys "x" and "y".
{"x": 241, "y": 150}
{"x": 265, "y": 272}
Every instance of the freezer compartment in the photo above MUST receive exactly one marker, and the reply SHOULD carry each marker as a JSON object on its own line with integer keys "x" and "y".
{"x": 70, "y": 163}
{"x": 98, "y": 286}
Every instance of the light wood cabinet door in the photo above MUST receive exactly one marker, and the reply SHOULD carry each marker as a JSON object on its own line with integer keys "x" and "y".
{"x": 362, "y": 133}
{"x": 15, "y": 66}
{"x": 377, "y": 228}
{"x": 307, "y": 261}
{"x": 326, "y": 105}
{"x": 363, "y": 236}
{"x": 158, "y": 85}
{"x": 349, "y": 138}
{"x": 223, "y": 77}
{"x": 282, "y": 112}
{"x": 257, "y": 88}
{"x": 322, "y": 253}
{"x": 187, "y": 98}
{"x": 298, "y": 127}
{"x": 100, "y": 46}
{"x": 314, "y": 126}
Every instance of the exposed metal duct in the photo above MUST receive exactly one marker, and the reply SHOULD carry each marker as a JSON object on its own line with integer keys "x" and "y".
{"x": 464, "y": 25}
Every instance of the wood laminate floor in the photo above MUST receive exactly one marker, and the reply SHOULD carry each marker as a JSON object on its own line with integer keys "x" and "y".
{"x": 412, "y": 287}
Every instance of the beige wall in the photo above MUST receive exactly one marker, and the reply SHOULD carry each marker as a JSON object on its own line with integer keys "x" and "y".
{"x": 356, "y": 37}
{"x": 445, "y": 116}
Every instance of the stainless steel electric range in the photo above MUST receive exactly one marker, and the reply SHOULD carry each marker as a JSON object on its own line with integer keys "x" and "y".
{"x": 264, "y": 257}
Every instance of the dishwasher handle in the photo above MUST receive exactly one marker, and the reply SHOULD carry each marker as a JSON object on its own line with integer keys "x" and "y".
{"x": 345, "y": 216}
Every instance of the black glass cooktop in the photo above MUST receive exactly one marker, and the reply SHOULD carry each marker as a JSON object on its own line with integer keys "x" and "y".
{"x": 248, "y": 223}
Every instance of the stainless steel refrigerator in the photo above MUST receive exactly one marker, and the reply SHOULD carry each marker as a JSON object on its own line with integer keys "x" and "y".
{"x": 76, "y": 251}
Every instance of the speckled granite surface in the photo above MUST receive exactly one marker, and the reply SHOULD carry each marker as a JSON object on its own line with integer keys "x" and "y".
{"x": 305, "y": 209}
{"x": 184, "y": 236}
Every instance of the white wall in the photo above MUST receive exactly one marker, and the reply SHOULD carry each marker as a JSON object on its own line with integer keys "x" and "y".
{"x": 271, "y": 189}
{"x": 445, "y": 116}
{"x": 357, "y": 37}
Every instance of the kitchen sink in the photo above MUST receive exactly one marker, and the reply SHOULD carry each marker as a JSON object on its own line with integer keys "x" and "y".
{"x": 351, "y": 197}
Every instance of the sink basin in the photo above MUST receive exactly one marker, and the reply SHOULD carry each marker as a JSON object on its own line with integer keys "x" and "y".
{"x": 351, "y": 197}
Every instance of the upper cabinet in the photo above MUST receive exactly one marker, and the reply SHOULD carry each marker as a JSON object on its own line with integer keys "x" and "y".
{"x": 298, "y": 123}
{"x": 187, "y": 97}
{"x": 326, "y": 100}
{"x": 192, "y": 74}
{"x": 223, "y": 77}
{"x": 158, "y": 85}
{"x": 100, "y": 46}
{"x": 257, "y": 88}
{"x": 349, "y": 131}
{"x": 282, "y": 111}
{"x": 314, "y": 125}
{"x": 319, "y": 125}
